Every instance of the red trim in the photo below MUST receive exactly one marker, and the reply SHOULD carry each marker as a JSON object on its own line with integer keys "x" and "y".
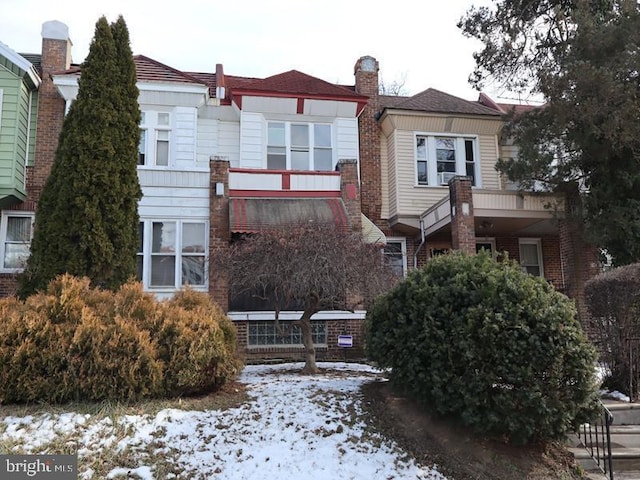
{"x": 285, "y": 193}
{"x": 283, "y": 172}
{"x": 299, "y": 95}
{"x": 286, "y": 181}
{"x": 300, "y": 107}
{"x": 340, "y": 219}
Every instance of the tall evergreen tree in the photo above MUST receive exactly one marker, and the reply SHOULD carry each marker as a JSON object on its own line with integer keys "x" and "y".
{"x": 87, "y": 220}
{"x": 583, "y": 56}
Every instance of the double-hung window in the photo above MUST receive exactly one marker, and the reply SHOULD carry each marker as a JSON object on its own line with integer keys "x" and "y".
{"x": 531, "y": 256}
{"x": 299, "y": 146}
{"x": 172, "y": 254}
{"x": 16, "y": 230}
{"x": 155, "y": 137}
{"x": 439, "y": 158}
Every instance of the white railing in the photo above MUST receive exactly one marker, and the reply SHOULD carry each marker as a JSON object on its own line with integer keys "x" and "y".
{"x": 254, "y": 180}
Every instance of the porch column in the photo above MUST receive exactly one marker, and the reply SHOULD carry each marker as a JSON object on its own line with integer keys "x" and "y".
{"x": 463, "y": 233}
{"x": 350, "y": 192}
{"x": 219, "y": 234}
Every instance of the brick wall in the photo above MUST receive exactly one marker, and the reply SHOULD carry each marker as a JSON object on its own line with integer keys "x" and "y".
{"x": 350, "y": 192}
{"x": 296, "y": 353}
{"x": 551, "y": 259}
{"x": 366, "y": 79}
{"x": 219, "y": 233}
{"x": 463, "y": 233}
{"x": 56, "y": 57}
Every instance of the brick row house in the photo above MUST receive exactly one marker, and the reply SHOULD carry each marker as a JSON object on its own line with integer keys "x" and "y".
{"x": 222, "y": 156}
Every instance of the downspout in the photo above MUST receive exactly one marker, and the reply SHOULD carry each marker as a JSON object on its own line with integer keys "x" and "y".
{"x": 415, "y": 254}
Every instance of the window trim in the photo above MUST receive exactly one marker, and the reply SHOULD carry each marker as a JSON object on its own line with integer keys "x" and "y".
{"x": 4, "y": 221}
{"x": 310, "y": 148}
{"x": 433, "y": 175}
{"x": 489, "y": 240}
{"x": 271, "y": 323}
{"x": 538, "y": 243}
{"x": 178, "y": 254}
{"x": 403, "y": 244}
{"x": 150, "y": 127}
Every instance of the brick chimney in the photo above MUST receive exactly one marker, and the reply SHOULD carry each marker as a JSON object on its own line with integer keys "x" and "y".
{"x": 56, "y": 57}
{"x": 366, "y": 73}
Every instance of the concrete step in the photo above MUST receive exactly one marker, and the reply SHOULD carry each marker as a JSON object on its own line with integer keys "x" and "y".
{"x": 624, "y": 413}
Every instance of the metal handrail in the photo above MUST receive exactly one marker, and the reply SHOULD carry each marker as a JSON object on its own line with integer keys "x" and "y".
{"x": 596, "y": 438}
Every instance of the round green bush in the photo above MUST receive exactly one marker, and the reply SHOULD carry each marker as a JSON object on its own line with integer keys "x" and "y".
{"x": 488, "y": 344}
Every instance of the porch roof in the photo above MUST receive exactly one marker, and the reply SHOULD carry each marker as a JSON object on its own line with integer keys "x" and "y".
{"x": 252, "y": 215}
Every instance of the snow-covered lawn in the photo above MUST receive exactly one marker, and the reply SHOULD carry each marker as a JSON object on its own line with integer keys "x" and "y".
{"x": 294, "y": 427}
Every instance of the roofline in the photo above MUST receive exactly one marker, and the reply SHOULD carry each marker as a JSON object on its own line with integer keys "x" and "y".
{"x": 174, "y": 70}
{"x": 21, "y": 62}
{"x": 252, "y": 92}
{"x": 416, "y": 112}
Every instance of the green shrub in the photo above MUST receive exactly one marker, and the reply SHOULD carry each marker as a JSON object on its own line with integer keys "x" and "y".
{"x": 74, "y": 342}
{"x": 613, "y": 299}
{"x": 488, "y": 344}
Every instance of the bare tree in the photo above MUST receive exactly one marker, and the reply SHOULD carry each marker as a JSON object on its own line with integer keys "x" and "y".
{"x": 395, "y": 88}
{"x": 310, "y": 267}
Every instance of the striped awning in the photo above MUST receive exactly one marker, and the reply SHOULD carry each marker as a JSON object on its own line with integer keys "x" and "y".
{"x": 251, "y": 215}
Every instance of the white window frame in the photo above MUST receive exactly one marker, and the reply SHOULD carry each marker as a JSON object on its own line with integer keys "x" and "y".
{"x": 310, "y": 148}
{"x": 4, "y": 222}
{"x": 150, "y": 129}
{"x": 403, "y": 243}
{"x": 147, "y": 254}
{"x": 441, "y": 179}
{"x": 487, "y": 240}
{"x": 538, "y": 243}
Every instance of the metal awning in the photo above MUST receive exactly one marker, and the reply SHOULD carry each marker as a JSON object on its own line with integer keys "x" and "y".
{"x": 371, "y": 233}
{"x": 251, "y": 215}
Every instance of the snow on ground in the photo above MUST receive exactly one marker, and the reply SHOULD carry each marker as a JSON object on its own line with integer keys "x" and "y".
{"x": 296, "y": 426}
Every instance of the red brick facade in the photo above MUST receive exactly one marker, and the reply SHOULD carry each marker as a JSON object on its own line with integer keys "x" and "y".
{"x": 463, "y": 233}
{"x": 56, "y": 56}
{"x": 366, "y": 76}
{"x": 219, "y": 232}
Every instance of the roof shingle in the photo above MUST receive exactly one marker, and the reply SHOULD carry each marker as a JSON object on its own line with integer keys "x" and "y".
{"x": 432, "y": 100}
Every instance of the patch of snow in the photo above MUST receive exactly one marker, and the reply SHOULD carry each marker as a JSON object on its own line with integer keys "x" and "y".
{"x": 295, "y": 426}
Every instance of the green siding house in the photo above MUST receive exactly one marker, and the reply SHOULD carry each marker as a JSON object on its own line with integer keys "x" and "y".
{"x": 19, "y": 84}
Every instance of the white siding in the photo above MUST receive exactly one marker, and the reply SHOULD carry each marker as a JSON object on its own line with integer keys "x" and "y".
{"x": 207, "y": 142}
{"x": 347, "y": 138}
{"x": 251, "y": 140}
{"x": 184, "y": 135}
{"x": 229, "y": 142}
{"x": 174, "y": 194}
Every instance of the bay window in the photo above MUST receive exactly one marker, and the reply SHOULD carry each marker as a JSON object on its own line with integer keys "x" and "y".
{"x": 441, "y": 157}
{"x": 299, "y": 146}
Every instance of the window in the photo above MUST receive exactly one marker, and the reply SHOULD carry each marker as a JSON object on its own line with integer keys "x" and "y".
{"x": 299, "y": 146}
{"x": 531, "y": 256}
{"x": 440, "y": 158}
{"x": 395, "y": 252}
{"x": 488, "y": 244}
{"x": 265, "y": 333}
{"x": 155, "y": 139}
{"x": 16, "y": 231}
{"x": 172, "y": 254}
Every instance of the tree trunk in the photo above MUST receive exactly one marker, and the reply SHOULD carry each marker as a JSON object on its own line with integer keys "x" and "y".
{"x": 307, "y": 339}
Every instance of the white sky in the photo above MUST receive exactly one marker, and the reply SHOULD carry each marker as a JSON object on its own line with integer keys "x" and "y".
{"x": 418, "y": 40}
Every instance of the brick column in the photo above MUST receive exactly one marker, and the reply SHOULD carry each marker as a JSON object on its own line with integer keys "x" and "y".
{"x": 350, "y": 192}
{"x": 56, "y": 57}
{"x": 219, "y": 232}
{"x": 579, "y": 259}
{"x": 463, "y": 233}
{"x": 366, "y": 79}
